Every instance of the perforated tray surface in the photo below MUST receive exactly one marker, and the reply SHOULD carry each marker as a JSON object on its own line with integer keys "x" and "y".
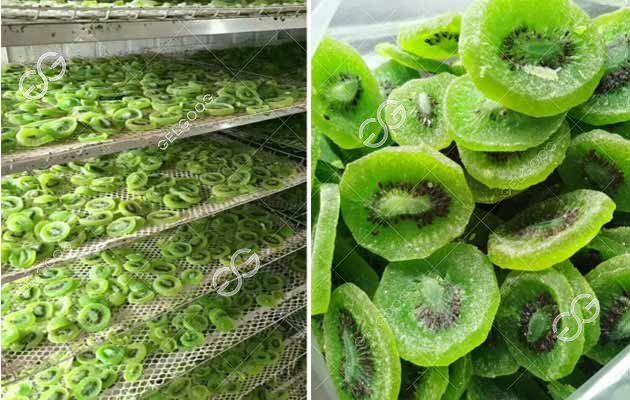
{"x": 129, "y": 316}
{"x": 205, "y": 209}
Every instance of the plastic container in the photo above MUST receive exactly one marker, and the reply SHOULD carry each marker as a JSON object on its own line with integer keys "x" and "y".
{"x": 365, "y": 23}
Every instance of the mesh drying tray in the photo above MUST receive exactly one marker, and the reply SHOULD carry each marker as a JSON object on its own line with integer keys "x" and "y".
{"x": 205, "y": 209}
{"x": 18, "y": 364}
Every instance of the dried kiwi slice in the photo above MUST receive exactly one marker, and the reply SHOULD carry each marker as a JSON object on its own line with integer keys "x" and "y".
{"x": 411, "y": 60}
{"x": 601, "y": 161}
{"x": 391, "y": 75}
{"x": 360, "y": 347}
{"x": 436, "y": 38}
{"x": 345, "y": 94}
{"x": 530, "y": 304}
{"x": 459, "y": 376}
{"x": 422, "y": 383}
{"x": 493, "y": 358}
{"x": 349, "y": 266}
{"x": 486, "y": 195}
{"x": 441, "y": 307}
{"x": 405, "y": 202}
{"x": 415, "y": 115}
{"x": 324, "y": 231}
{"x": 480, "y": 124}
{"x": 609, "y": 103}
{"x": 551, "y": 231}
{"x": 538, "y": 58}
{"x": 607, "y": 244}
{"x": 611, "y": 283}
{"x": 520, "y": 169}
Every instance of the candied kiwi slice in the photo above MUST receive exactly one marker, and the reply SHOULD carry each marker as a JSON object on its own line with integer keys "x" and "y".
{"x": 345, "y": 94}
{"x": 607, "y": 244}
{"x": 435, "y": 38}
{"x": 487, "y": 195}
{"x": 349, "y": 266}
{"x": 361, "y": 352}
{"x": 411, "y": 60}
{"x": 404, "y": 203}
{"x": 480, "y": 124}
{"x": 493, "y": 358}
{"x": 535, "y": 310}
{"x": 609, "y": 104}
{"x": 611, "y": 283}
{"x": 459, "y": 376}
{"x": 514, "y": 387}
{"x": 391, "y": 75}
{"x": 550, "y": 231}
{"x": 601, "y": 161}
{"x": 423, "y": 383}
{"x": 440, "y": 307}
{"x": 324, "y": 232}
{"x": 538, "y": 63}
{"x": 517, "y": 170}
{"x": 414, "y": 112}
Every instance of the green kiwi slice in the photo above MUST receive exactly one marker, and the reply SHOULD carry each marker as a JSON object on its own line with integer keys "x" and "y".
{"x": 411, "y": 60}
{"x": 515, "y": 387}
{"x": 349, "y": 266}
{"x": 344, "y": 94}
{"x": 487, "y": 195}
{"x": 537, "y": 58}
{"x": 607, "y": 244}
{"x": 361, "y": 352}
{"x": 531, "y": 302}
{"x": 493, "y": 358}
{"x": 480, "y": 124}
{"x": 403, "y": 203}
{"x": 599, "y": 160}
{"x": 436, "y": 38}
{"x": 420, "y": 383}
{"x": 520, "y": 169}
{"x": 611, "y": 283}
{"x": 391, "y": 75}
{"x": 481, "y": 224}
{"x": 609, "y": 103}
{"x": 550, "y": 231}
{"x": 441, "y": 307}
{"x": 414, "y": 112}
{"x": 459, "y": 376}
{"x": 324, "y": 232}
{"x": 559, "y": 391}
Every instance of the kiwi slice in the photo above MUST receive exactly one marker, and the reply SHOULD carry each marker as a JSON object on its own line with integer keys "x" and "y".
{"x": 559, "y": 391}
{"x": 609, "y": 103}
{"x": 361, "y": 352}
{"x": 411, "y": 60}
{"x": 459, "y": 376}
{"x": 324, "y": 232}
{"x": 520, "y": 169}
{"x": 344, "y": 94}
{"x": 540, "y": 58}
{"x": 349, "y": 266}
{"x": 530, "y": 304}
{"x": 414, "y": 112}
{"x": 607, "y": 244}
{"x": 441, "y": 307}
{"x": 480, "y": 124}
{"x": 515, "y": 387}
{"x": 481, "y": 224}
{"x": 611, "y": 283}
{"x": 391, "y": 75}
{"x": 420, "y": 383}
{"x": 551, "y": 231}
{"x": 493, "y": 358}
{"x": 599, "y": 160}
{"x": 487, "y": 195}
{"x": 436, "y": 38}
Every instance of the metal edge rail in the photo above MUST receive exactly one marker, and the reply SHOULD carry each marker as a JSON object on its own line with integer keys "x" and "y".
{"x": 46, "y": 156}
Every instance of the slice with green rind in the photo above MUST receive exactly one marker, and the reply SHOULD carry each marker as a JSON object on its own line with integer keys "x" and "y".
{"x": 517, "y": 170}
{"x": 459, "y": 377}
{"x": 480, "y": 124}
{"x": 403, "y": 203}
{"x": 607, "y": 244}
{"x": 493, "y": 358}
{"x": 487, "y": 195}
{"x": 611, "y": 282}
{"x": 324, "y": 232}
{"x": 535, "y": 308}
{"x": 550, "y": 231}
{"x": 411, "y": 60}
{"x": 414, "y": 112}
{"x": 391, "y": 75}
{"x": 361, "y": 352}
{"x": 436, "y": 38}
{"x": 599, "y": 160}
{"x": 441, "y": 307}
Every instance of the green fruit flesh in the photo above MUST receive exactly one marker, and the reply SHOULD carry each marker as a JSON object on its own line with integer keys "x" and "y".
{"x": 411, "y": 60}
{"x": 391, "y": 75}
{"x": 493, "y": 358}
{"x": 435, "y": 38}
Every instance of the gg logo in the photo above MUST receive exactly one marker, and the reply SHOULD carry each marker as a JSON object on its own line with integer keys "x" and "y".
{"x": 28, "y": 92}
{"x": 399, "y": 115}
{"x": 592, "y": 304}
{"x": 223, "y": 289}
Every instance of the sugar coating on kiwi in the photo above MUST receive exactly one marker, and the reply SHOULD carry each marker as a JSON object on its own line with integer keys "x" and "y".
{"x": 609, "y": 104}
{"x": 601, "y": 161}
{"x": 521, "y": 169}
{"x": 436, "y": 38}
{"x": 423, "y": 383}
{"x": 440, "y": 307}
{"x": 414, "y": 112}
{"x": 493, "y": 358}
{"x": 360, "y": 347}
{"x": 487, "y": 195}
{"x": 459, "y": 377}
{"x": 480, "y": 124}
{"x": 344, "y": 94}
{"x": 411, "y": 60}
{"x": 550, "y": 231}
{"x": 539, "y": 63}
{"x": 531, "y": 302}
{"x": 403, "y": 203}
{"x": 611, "y": 283}
{"x": 324, "y": 232}
{"x": 391, "y": 75}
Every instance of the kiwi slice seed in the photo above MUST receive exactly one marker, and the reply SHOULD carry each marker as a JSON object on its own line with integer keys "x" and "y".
{"x": 436, "y": 38}
{"x": 391, "y": 75}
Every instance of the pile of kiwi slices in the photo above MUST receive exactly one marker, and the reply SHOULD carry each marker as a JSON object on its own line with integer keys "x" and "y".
{"x": 471, "y": 201}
